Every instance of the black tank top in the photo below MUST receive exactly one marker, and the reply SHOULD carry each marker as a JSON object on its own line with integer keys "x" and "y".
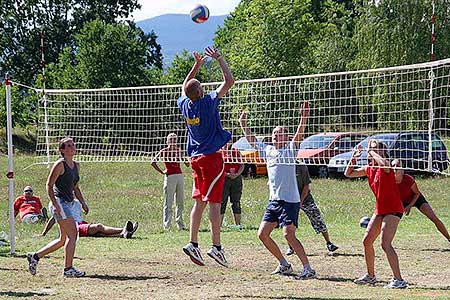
{"x": 65, "y": 183}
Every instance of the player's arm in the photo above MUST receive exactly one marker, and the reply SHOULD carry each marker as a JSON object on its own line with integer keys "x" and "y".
{"x": 416, "y": 196}
{"x": 79, "y": 195}
{"x": 182, "y": 157}
{"x": 48, "y": 226}
{"x": 155, "y": 165}
{"x": 17, "y": 204}
{"x": 251, "y": 139}
{"x": 304, "y": 111}
{"x": 228, "y": 79}
{"x": 305, "y": 192}
{"x": 199, "y": 59}
{"x": 398, "y": 171}
{"x": 350, "y": 171}
{"x": 55, "y": 172}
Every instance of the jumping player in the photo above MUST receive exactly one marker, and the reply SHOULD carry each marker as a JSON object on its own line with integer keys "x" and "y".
{"x": 412, "y": 197}
{"x": 388, "y": 211}
{"x": 284, "y": 200}
{"x": 206, "y": 137}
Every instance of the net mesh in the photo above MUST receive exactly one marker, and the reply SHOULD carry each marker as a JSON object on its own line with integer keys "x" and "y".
{"x": 406, "y": 107}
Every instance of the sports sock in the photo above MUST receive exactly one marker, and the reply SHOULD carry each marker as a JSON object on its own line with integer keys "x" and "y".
{"x": 218, "y": 247}
{"x": 195, "y": 244}
{"x": 35, "y": 256}
{"x": 68, "y": 268}
{"x": 307, "y": 267}
{"x": 284, "y": 262}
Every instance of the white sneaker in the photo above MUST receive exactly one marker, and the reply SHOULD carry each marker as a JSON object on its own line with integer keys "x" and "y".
{"x": 396, "y": 284}
{"x": 306, "y": 274}
{"x": 283, "y": 270}
{"x": 218, "y": 256}
{"x": 194, "y": 254}
{"x": 32, "y": 263}
{"x": 366, "y": 279}
{"x": 72, "y": 272}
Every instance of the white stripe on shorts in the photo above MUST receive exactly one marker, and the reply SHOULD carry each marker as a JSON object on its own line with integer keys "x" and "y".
{"x": 213, "y": 183}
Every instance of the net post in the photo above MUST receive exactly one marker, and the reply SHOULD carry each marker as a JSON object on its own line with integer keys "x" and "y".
{"x": 10, "y": 173}
{"x": 431, "y": 76}
{"x": 47, "y": 142}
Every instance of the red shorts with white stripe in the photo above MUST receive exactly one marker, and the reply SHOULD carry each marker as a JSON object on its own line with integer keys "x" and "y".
{"x": 83, "y": 228}
{"x": 209, "y": 177}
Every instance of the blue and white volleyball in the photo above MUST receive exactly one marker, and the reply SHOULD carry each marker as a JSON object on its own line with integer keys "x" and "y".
{"x": 364, "y": 222}
{"x": 200, "y": 13}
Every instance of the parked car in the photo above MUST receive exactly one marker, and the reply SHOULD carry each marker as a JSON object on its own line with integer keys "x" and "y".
{"x": 317, "y": 150}
{"x": 254, "y": 165}
{"x": 410, "y": 147}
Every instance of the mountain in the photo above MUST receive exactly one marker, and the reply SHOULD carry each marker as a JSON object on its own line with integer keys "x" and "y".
{"x": 177, "y": 32}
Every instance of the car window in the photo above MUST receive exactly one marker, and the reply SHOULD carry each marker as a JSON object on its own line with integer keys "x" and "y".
{"x": 317, "y": 142}
{"x": 346, "y": 143}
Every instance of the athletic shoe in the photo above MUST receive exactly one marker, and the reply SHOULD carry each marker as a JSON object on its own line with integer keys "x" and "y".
{"x": 332, "y": 247}
{"x": 44, "y": 213}
{"x": 290, "y": 251}
{"x": 129, "y": 226}
{"x": 283, "y": 270}
{"x": 366, "y": 279}
{"x": 306, "y": 274}
{"x": 32, "y": 263}
{"x": 72, "y": 272}
{"x": 194, "y": 254}
{"x": 396, "y": 284}
{"x": 218, "y": 256}
{"x": 129, "y": 233}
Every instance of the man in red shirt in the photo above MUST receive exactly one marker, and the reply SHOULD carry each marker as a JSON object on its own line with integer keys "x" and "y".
{"x": 173, "y": 181}
{"x": 29, "y": 207}
{"x": 411, "y": 196}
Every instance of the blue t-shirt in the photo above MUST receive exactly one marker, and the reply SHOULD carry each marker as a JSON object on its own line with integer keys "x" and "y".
{"x": 281, "y": 171}
{"x": 205, "y": 132}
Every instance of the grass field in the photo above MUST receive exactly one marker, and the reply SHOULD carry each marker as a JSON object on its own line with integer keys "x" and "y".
{"x": 152, "y": 265}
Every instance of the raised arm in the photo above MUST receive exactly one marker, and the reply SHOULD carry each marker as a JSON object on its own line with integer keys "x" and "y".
{"x": 228, "y": 79}
{"x": 199, "y": 60}
{"x": 350, "y": 171}
{"x": 251, "y": 139}
{"x": 398, "y": 170}
{"x": 379, "y": 160}
{"x": 304, "y": 111}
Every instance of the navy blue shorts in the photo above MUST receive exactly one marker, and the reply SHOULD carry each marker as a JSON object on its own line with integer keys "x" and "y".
{"x": 282, "y": 212}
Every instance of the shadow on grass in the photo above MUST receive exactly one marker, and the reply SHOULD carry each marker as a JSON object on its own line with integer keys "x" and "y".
{"x": 336, "y": 254}
{"x": 430, "y": 288}
{"x": 9, "y": 269}
{"x": 335, "y": 279}
{"x": 125, "y": 278}
{"x": 22, "y": 294}
{"x": 437, "y": 250}
{"x": 283, "y": 297}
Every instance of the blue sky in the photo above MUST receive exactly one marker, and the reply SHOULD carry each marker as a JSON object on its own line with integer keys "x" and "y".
{"x": 153, "y": 8}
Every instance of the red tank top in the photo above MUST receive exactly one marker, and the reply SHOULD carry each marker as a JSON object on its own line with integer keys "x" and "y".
{"x": 404, "y": 188}
{"x": 385, "y": 189}
{"x": 231, "y": 161}
{"x": 171, "y": 163}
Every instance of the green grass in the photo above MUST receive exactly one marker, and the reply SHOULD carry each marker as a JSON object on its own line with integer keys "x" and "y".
{"x": 151, "y": 266}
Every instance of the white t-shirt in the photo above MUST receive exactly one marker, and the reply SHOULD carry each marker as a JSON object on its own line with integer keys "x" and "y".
{"x": 281, "y": 171}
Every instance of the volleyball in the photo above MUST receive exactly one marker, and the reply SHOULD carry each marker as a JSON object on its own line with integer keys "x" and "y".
{"x": 200, "y": 13}
{"x": 364, "y": 221}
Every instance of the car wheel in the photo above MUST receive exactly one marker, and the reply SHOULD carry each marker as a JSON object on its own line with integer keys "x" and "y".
{"x": 323, "y": 172}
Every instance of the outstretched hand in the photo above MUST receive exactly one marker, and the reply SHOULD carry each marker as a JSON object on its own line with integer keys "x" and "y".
{"x": 243, "y": 119}
{"x": 358, "y": 151}
{"x": 199, "y": 59}
{"x": 212, "y": 52}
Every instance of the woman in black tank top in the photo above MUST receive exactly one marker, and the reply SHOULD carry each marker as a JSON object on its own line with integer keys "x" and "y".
{"x": 62, "y": 188}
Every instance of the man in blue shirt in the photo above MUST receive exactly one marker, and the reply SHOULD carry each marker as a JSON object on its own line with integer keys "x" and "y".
{"x": 284, "y": 200}
{"x": 206, "y": 137}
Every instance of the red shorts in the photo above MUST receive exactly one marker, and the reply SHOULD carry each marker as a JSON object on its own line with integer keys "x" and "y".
{"x": 83, "y": 228}
{"x": 209, "y": 177}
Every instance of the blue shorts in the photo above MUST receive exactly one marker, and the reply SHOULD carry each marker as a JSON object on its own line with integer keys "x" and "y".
{"x": 282, "y": 212}
{"x": 64, "y": 206}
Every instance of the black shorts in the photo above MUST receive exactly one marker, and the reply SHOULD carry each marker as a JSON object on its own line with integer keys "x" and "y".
{"x": 421, "y": 200}
{"x": 394, "y": 214}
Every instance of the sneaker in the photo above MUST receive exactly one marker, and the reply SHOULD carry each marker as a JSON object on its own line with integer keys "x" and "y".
{"x": 283, "y": 270}
{"x": 218, "y": 256}
{"x": 366, "y": 279}
{"x": 32, "y": 263}
{"x": 72, "y": 272}
{"x": 396, "y": 284}
{"x": 194, "y": 254}
{"x": 306, "y": 274}
{"x": 129, "y": 226}
{"x": 290, "y": 251}
{"x": 332, "y": 247}
{"x": 129, "y": 233}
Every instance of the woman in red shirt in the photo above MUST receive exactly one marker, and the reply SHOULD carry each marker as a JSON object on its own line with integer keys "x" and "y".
{"x": 388, "y": 211}
{"x": 411, "y": 196}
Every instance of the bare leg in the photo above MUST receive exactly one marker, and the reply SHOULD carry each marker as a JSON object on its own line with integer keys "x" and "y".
{"x": 214, "y": 219}
{"x": 196, "y": 218}
{"x": 264, "y": 231}
{"x": 102, "y": 230}
{"x": 289, "y": 235}
{"x": 326, "y": 236}
{"x": 237, "y": 219}
{"x": 428, "y": 211}
{"x": 388, "y": 230}
{"x": 372, "y": 232}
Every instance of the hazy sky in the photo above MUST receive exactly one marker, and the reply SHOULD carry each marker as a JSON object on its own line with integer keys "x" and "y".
{"x": 153, "y": 8}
